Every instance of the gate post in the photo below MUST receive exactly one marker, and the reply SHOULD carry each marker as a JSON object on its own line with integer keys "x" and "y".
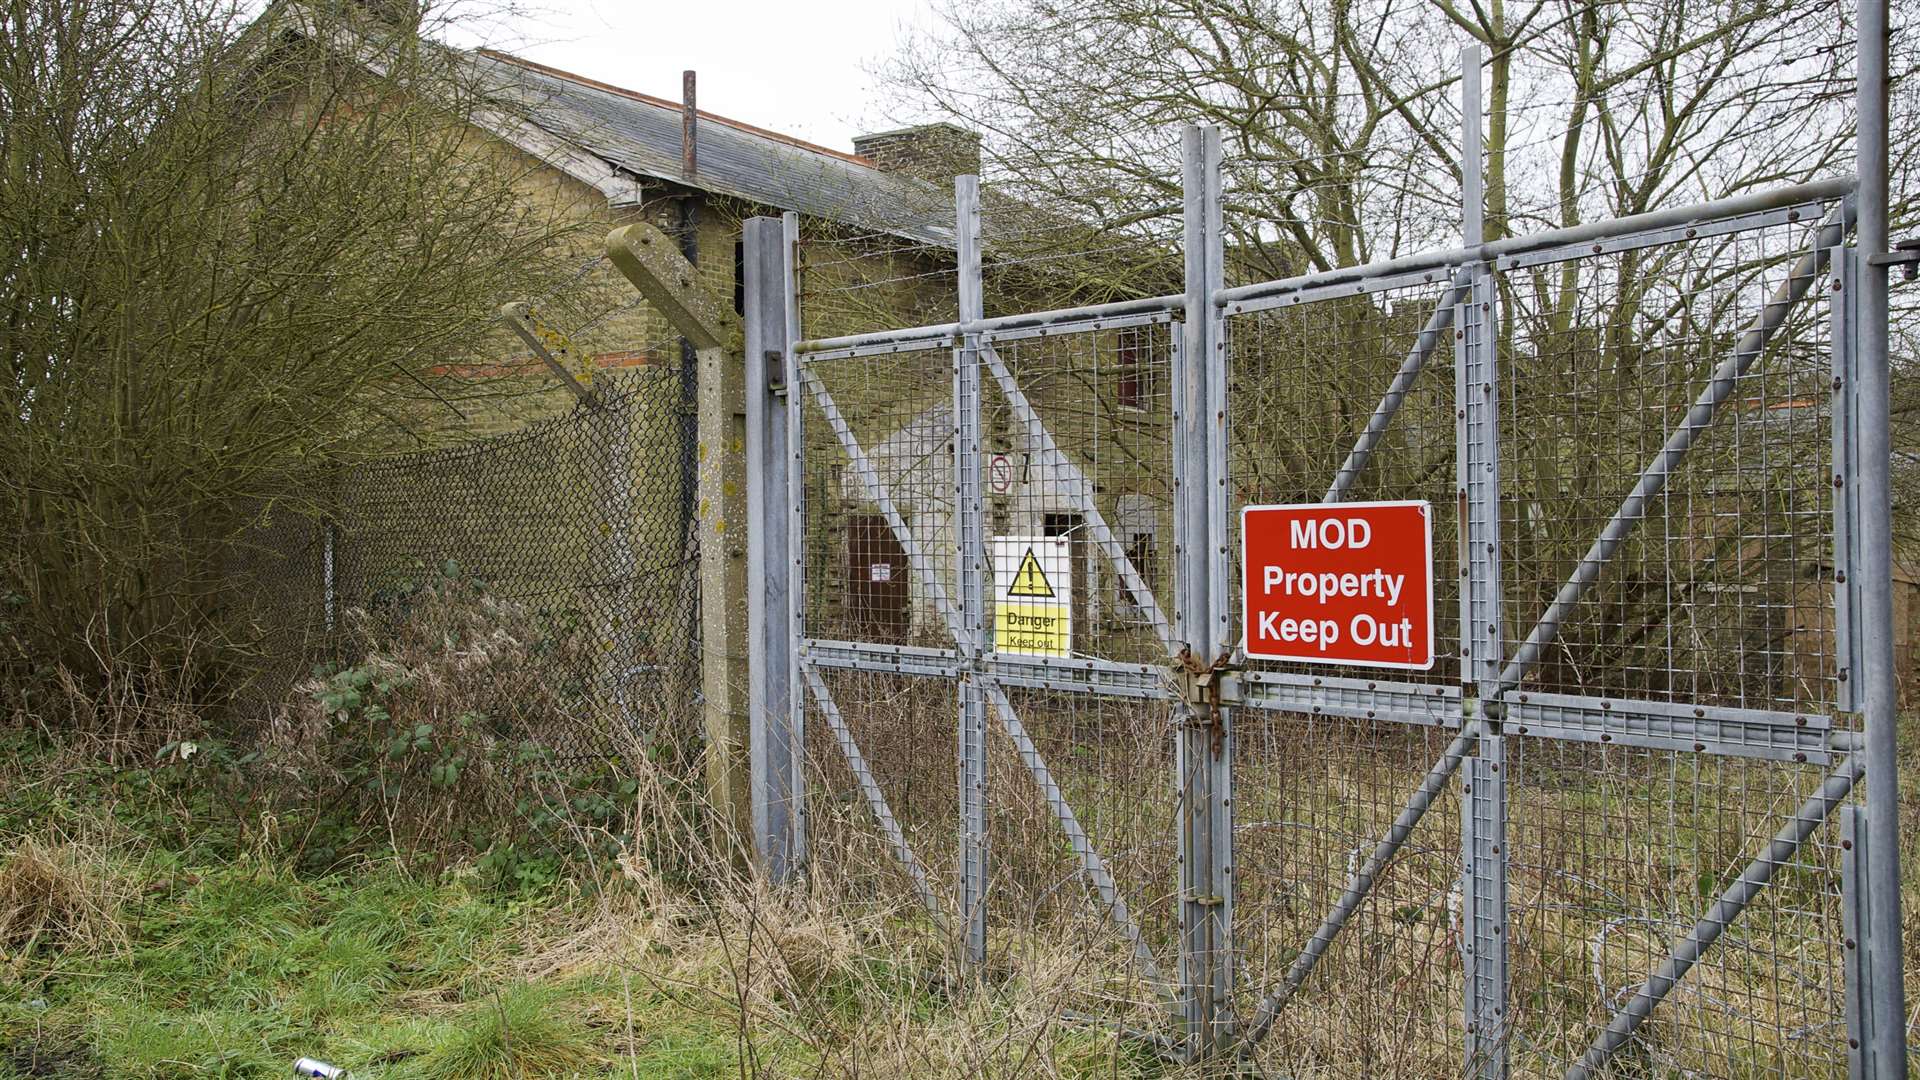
{"x": 774, "y": 524}
{"x": 1483, "y": 805}
{"x": 1882, "y": 939}
{"x": 1204, "y": 754}
{"x": 1863, "y": 1061}
{"x": 970, "y": 555}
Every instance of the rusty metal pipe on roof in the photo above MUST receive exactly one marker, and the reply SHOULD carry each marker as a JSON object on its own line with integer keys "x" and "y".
{"x": 689, "y": 129}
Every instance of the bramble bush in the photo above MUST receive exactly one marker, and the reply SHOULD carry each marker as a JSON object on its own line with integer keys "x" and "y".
{"x": 464, "y": 725}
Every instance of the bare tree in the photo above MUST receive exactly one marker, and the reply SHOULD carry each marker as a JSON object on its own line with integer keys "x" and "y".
{"x": 1341, "y": 115}
{"x": 228, "y": 256}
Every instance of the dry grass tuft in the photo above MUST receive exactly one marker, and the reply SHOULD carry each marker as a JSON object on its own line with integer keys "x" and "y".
{"x": 60, "y": 896}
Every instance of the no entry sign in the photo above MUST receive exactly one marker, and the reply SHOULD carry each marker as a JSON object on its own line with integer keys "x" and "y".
{"x": 1339, "y": 583}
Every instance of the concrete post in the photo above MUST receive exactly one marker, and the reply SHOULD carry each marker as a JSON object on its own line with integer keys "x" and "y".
{"x": 652, "y": 261}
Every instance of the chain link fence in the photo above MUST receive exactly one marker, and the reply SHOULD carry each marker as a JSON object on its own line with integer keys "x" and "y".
{"x": 576, "y": 533}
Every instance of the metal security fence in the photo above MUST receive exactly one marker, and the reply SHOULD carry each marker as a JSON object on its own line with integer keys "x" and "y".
{"x": 579, "y": 524}
{"x": 1634, "y": 817}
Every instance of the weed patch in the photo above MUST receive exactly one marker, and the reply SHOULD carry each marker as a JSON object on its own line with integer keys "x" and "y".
{"x": 59, "y": 896}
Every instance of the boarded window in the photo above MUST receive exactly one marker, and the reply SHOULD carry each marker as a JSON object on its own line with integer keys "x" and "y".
{"x": 876, "y": 579}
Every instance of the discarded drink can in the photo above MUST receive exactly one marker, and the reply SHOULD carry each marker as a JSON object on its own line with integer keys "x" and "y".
{"x": 310, "y": 1067}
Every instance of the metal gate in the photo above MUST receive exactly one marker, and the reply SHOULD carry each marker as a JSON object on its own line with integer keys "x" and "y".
{"x": 1592, "y": 837}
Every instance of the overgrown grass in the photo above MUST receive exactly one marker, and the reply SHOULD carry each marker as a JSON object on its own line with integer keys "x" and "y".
{"x": 151, "y": 933}
{"x": 335, "y": 891}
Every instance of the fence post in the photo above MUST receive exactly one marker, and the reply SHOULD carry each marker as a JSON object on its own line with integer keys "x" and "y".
{"x": 1483, "y": 808}
{"x": 328, "y": 593}
{"x": 970, "y": 553}
{"x": 1882, "y": 940}
{"x": 771, "y": 440}
{"x": 653, "y": 263}
{"x": 796, "y": 540}
{"x": 1203, "y": 757}
{"x": 720, "y": 518}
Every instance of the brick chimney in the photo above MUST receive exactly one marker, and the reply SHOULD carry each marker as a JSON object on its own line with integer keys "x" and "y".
{"x": 930, "y": 151}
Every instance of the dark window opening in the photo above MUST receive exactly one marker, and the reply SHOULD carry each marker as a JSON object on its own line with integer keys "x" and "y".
{"x": 739, "y": 276}
{"x": 1136, "y": 384}
{"x": 1142, "y": 554}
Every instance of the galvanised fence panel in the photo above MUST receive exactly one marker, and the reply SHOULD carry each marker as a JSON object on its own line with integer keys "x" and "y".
{"x": 1075, "y": 464}
{"x": 1592, "y": 837}
{"x": 1721, "y": 594}
{"x": 1713, "y": 620}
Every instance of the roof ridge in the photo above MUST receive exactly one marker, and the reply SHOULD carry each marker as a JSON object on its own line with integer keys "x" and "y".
{"x": 790, "y": 140}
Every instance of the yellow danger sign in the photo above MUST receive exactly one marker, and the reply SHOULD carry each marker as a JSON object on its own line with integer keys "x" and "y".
{"x": 1030, "y": 579}
{"x": 1032, "y": 595}
{"x": 1042, "y": 629}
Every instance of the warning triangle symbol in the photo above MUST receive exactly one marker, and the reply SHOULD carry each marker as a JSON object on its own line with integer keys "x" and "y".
{"x": 1030, "y": 580}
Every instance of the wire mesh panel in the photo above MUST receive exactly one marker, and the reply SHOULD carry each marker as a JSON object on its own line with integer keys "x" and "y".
{"x": 1721, "y": 593}
{"x": 1348, "y": 395}
{"x": 1692, "y": 370}
{"x": 879, "y": 475}
{"x": 1617, "y": 854}
{"x": 1079, "y": 470}
{"x": 1305, "y": 382}
{"x": 881, "y": 757}
{"x": 1312, "y": 797}
{"x": 881, "y": 552}
{"x": 1083, "y": 840}
{"x": 285, "y": 566}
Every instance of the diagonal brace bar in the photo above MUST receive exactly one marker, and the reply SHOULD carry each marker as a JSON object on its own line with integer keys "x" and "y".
{"x": 1083, "y": 495}
{"x": 1727, "y": 908}
{"x": 1091, "y": 865}
{"x": 545, "y": 342}
{"x": 877, "y": 491}
{"x": 870, "y": 788}
{"x": 1361, "y": 883}
{"x": 1653, "y": 479}
{"x": 1423, "y": 345}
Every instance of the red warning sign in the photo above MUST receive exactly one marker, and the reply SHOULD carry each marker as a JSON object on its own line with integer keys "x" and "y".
{"x": 1339, "y": 583}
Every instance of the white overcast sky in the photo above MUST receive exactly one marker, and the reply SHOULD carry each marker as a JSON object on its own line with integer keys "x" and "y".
{"x": 796, "y": 67}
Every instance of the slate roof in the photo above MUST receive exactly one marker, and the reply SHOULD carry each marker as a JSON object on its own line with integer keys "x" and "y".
{"x": 640, "y": 135}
